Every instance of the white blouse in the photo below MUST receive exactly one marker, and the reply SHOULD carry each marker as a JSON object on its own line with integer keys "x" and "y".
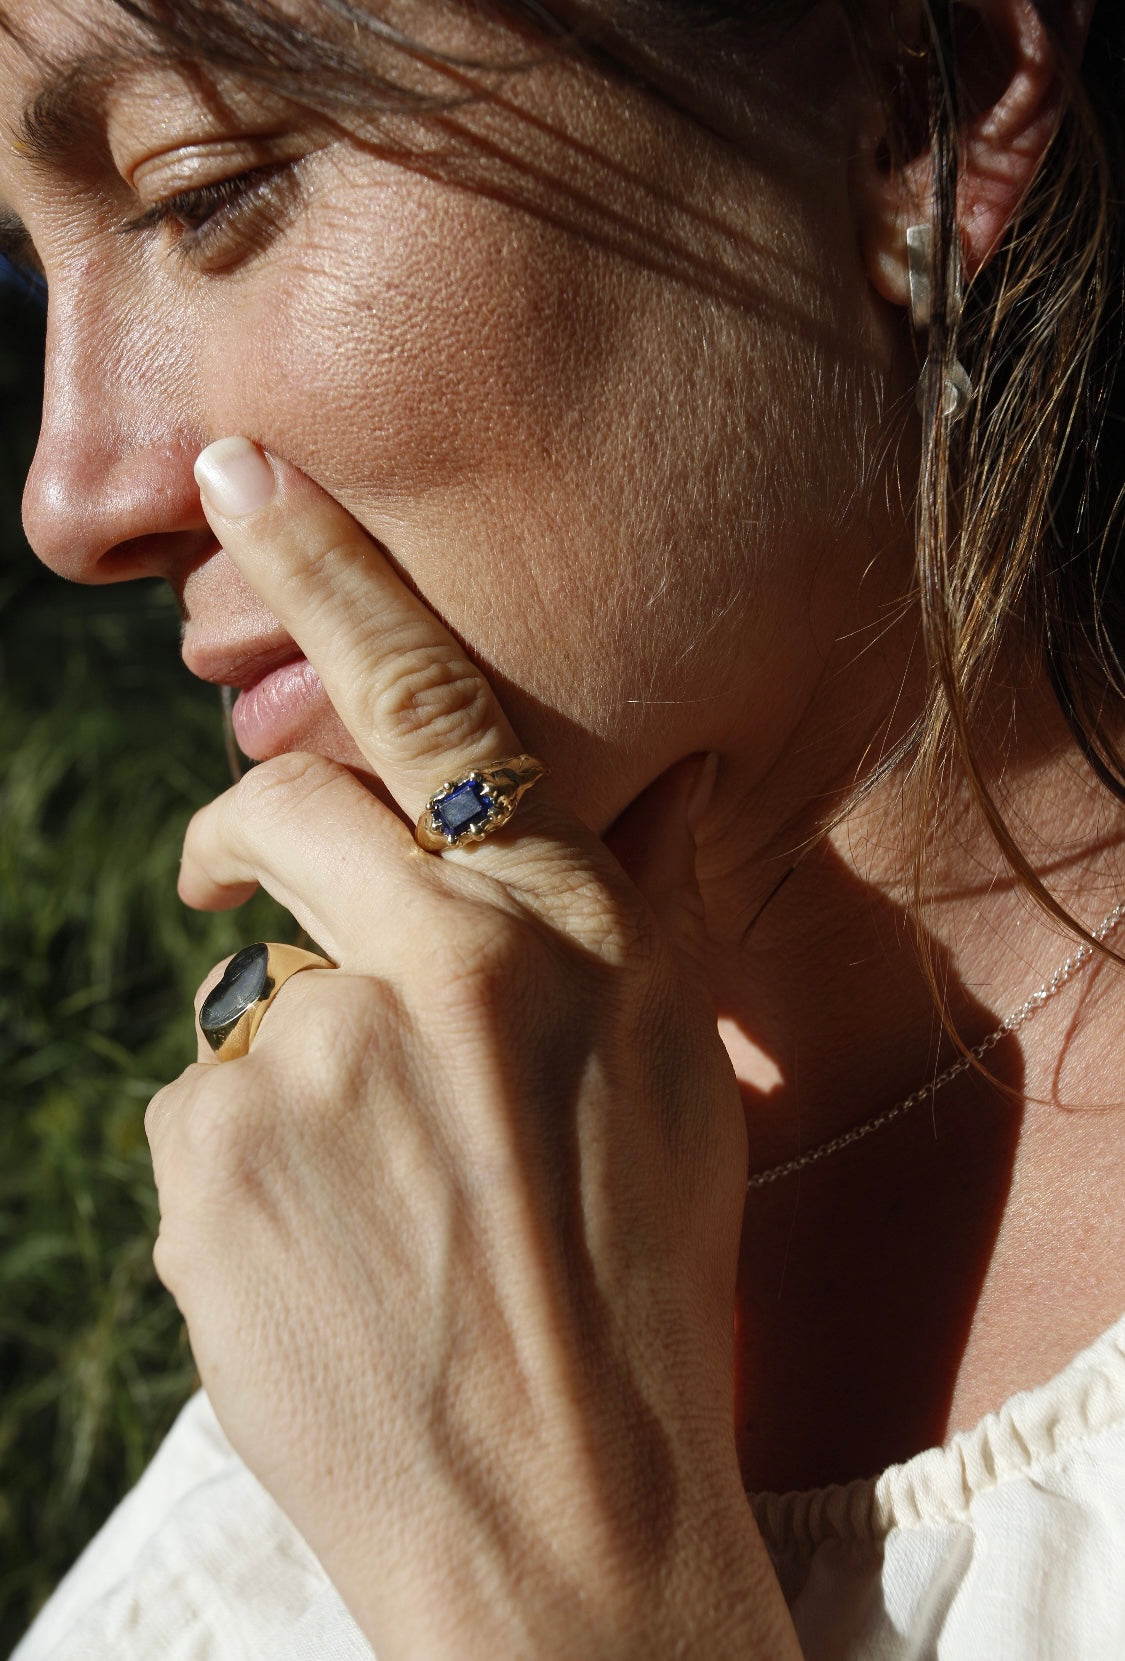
{"x": 1008, "y": 1544}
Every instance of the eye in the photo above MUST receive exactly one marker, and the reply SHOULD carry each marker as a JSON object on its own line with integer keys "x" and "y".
{"x": 215, "y": 225}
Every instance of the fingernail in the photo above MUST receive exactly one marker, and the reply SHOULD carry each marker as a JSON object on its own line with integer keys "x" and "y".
{"x": 235, "y": 477}
{"x": 702, "y": 790}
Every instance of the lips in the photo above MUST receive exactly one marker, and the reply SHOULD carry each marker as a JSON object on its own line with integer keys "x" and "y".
{"x": 280, "y": 693}
{"x": 242, "y": 666}
{"x": 271, "y": 715}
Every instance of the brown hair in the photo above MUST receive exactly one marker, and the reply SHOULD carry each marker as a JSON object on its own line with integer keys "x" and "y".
{"x": 1019, "y": 505}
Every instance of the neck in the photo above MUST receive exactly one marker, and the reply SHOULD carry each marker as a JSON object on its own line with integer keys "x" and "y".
{"x": 817, "y": 964}
{"x": 824, "y": 971}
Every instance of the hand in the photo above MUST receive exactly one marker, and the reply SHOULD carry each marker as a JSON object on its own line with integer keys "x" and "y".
{"x": 456, "y": 1241}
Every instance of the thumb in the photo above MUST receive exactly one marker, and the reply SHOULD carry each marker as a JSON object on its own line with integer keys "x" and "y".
{"x": 654, "y": 842}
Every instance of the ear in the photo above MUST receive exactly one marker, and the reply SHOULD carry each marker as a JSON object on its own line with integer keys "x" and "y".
{"x": 1012, "y": 75}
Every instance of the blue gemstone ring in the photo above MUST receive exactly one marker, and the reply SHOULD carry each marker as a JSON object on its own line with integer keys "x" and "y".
{"x": 470, "y": 808}
{"x": 232, "y": 1011}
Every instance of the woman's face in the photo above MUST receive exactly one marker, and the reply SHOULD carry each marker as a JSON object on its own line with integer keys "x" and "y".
{"x": 594, "y": 379}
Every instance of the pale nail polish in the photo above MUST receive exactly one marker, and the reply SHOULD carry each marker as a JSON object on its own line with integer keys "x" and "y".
{"x": 235, "y": 477}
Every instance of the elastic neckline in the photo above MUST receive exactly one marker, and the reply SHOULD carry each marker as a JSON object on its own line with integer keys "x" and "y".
{"x": 940, "y": 1484}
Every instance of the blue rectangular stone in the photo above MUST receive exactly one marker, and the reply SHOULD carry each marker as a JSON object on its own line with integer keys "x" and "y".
{"x": 460, "y": 806}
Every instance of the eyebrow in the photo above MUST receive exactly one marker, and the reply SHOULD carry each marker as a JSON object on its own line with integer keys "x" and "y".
{"x": 54, "y": 124}
{"x": 51, "y": 126}
{"x": 64, "y": 109}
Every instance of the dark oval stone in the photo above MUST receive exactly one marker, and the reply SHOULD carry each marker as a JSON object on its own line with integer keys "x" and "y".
{"x": 245, "y": 982}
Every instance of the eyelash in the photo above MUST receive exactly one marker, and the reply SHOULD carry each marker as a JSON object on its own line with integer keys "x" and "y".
{"x": 204, "y": 219}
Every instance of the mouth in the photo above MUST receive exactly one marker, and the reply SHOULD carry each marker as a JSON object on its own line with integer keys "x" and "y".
{"x": 279, "y": 691}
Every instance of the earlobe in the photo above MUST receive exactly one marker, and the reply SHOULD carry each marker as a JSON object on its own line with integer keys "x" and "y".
{"x": 1011, "y": 73}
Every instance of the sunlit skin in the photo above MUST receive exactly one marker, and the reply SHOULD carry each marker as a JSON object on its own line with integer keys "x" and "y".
{"x": 638, "y": 446}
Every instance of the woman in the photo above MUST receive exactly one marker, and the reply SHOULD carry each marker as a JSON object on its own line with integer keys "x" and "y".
{"x": 573, "y": 354}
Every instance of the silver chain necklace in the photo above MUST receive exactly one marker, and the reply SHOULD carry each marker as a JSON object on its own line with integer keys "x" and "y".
{"x": 1011, "y": 1023}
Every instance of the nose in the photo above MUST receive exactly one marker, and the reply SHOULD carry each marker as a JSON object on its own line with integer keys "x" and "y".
{"x": 110, "y": 495}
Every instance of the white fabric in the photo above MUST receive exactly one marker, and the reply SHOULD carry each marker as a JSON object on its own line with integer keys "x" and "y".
{"x": 1006, "y": 1545}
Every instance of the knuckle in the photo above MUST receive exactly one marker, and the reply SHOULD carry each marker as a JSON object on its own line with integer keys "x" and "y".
{"x": 243, "y": 1132}
{"x": 334, "y": 1024}
{"x": 221, "y": 1134}
{"x": 165, "y": 1271}
{"x": 332, "y": 1045}
{"x": 176, "y": 1099}
{"x": 269, "y": 789}
{"x": 169, "y": 1264}
{"x": 429, "y": 701}
{"x": 220, "y": 1125}
{"x": 157, "y": 1109}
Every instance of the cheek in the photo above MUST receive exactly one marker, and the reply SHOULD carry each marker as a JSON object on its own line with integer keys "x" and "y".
{"x": 419, "y": 340}
{"x": 447, "y": 376}
{"x": 515, "y": 416}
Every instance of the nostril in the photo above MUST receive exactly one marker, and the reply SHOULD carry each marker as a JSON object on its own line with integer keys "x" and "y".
{"x": 168, "y": 554}
{"x": 99, "y": 511}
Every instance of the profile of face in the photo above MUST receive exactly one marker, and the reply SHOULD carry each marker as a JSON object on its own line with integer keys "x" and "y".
{"x": 602, "y": 384}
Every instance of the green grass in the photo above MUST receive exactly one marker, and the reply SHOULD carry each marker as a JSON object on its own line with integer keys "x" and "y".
{"x": 106, "y": 747}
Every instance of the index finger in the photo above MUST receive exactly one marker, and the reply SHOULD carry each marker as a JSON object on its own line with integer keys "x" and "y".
{"x": 419, "y": 709}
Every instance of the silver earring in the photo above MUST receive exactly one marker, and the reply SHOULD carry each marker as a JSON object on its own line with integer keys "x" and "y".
{"x": 957, "y": 390}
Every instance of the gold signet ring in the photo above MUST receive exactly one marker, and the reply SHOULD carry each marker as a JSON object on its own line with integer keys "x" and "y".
{"x": 232, "y": 1012}
{"x": 470, "y": 808}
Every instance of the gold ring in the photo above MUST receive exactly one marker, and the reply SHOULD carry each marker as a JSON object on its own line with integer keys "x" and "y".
{"x": 470, "y": 808}
{"x": 232, "y": 1012}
